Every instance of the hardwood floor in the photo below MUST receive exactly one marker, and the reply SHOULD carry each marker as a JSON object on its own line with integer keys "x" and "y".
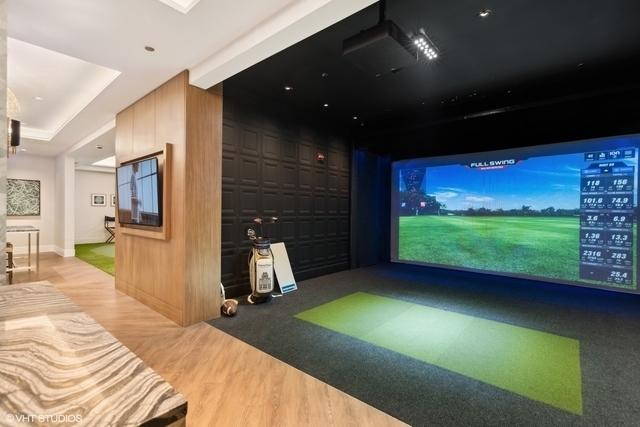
{"x": 226, "y": 381}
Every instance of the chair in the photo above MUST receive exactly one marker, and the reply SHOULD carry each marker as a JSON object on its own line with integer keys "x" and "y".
{"x": 110, "y": 226}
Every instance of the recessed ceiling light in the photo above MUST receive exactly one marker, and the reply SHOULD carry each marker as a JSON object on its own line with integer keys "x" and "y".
{"x": 149, "y": 49}
{"x": 99, "y": 147}
{"x": 288, "y": 88}
{"x": 355, "y": 117}
{"x": 325, "y": 105}
{"x": 324, "y": 75}
{"x": 484, "y": 13}
{"x": 38, "y": 98}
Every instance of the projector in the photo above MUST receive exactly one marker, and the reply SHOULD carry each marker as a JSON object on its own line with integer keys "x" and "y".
{"x": 381, "y": 49}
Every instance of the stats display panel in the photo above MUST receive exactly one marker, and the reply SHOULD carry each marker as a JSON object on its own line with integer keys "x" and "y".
{"x": 565, "y": 213}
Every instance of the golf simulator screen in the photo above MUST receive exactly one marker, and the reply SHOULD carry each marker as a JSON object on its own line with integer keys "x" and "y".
{"x": 564, "y": 213}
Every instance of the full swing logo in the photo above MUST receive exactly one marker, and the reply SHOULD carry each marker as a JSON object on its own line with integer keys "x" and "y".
{"x": 492, "y": 164}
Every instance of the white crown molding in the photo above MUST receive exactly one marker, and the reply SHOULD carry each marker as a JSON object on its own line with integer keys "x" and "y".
{"x": 44, "y": 135}
{"x": 37, "y": 134}
{"x": 95, "y": 169}
{"x": 183, "y": 6}
{"x": 97, "y": 89}
{"x": 61, "y": 108}
{"x": 93, "y": 136}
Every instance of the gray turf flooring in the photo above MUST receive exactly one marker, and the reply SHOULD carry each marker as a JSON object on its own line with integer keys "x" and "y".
{"x": 607, "y": 325}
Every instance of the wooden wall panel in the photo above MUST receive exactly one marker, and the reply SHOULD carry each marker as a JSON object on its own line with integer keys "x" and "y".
{"x": 171, "y": 108}
{"x": 144, "y": 132}
{"x": 124, "y": 146}
{"x": 177, "y": 276}
{"x": 170, "y": 128}
{"x": 124, "y": 132}
{"x": 203, "y": 182}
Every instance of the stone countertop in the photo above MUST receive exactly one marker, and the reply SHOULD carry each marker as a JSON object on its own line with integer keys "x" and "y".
{"x": 58, "y": 362}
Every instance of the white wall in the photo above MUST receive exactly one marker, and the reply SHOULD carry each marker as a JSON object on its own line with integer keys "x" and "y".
{"x": 23, "y": 166}
{"x": 64, "y": 229}
{"x": 89, "y": 224}
{"x": 66, "y": 215}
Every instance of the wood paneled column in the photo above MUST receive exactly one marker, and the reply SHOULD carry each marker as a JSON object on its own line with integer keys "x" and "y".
{"x": 176, "y": 269}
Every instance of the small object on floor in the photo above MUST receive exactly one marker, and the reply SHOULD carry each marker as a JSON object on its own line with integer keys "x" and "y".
{"x": 223, "y": 295}
{"x": 230, "y": 307}
{"x": 256, "y": 299}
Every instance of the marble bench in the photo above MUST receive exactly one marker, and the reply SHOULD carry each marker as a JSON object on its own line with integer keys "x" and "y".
{"x": 58, "y": 366}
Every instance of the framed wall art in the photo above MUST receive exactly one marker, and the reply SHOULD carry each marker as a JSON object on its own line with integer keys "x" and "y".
{"x": 23, "y": 197}
{"x": 99, "y": 200}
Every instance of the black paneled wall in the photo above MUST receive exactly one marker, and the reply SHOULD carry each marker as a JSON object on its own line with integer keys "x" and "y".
{"x": 269, "y": 168}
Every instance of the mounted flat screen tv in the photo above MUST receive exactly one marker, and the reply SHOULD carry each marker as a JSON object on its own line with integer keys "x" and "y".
{"x": 140, "y": 193}
{"x": 565, "y": 213}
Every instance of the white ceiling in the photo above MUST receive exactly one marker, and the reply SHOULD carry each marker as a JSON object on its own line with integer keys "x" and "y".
{"x": 213, "y": 35}
{"x": 88, "y": 154}
{"x": 297, "y": 21}
{"x": 51, "y": 88}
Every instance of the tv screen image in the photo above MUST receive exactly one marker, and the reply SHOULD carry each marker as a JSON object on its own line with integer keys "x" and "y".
{"x": 139, "y": 193}
{"x": 564, "y": 213}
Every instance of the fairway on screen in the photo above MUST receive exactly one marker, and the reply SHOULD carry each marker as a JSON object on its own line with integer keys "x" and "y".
{"x": 564, "y": 213}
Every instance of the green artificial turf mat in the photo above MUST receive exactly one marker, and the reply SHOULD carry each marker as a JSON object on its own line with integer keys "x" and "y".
{"x": 538, "y": 365}
{"x": 100, "y": 255}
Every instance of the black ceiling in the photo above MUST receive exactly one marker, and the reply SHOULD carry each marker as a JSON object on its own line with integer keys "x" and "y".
{"x": 525, "y": 51}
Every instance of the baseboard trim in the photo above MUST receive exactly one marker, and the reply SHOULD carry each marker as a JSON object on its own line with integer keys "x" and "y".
{"x": 65, "y": 252}
{"x": 172, "y": 313}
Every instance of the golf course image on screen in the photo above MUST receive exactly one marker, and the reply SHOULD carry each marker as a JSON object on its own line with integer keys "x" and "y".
{"x": 564, "y": 213}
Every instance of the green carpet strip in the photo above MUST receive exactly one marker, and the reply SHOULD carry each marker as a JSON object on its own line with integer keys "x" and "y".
{"x": 100, "y": 255}
{"x": 538, "y": 365}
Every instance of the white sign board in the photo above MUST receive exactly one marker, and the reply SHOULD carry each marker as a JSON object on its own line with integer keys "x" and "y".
{"x": 282, "y": 267}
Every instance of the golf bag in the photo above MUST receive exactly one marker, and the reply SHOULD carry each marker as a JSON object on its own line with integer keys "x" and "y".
{"x": 261, "y": 273}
